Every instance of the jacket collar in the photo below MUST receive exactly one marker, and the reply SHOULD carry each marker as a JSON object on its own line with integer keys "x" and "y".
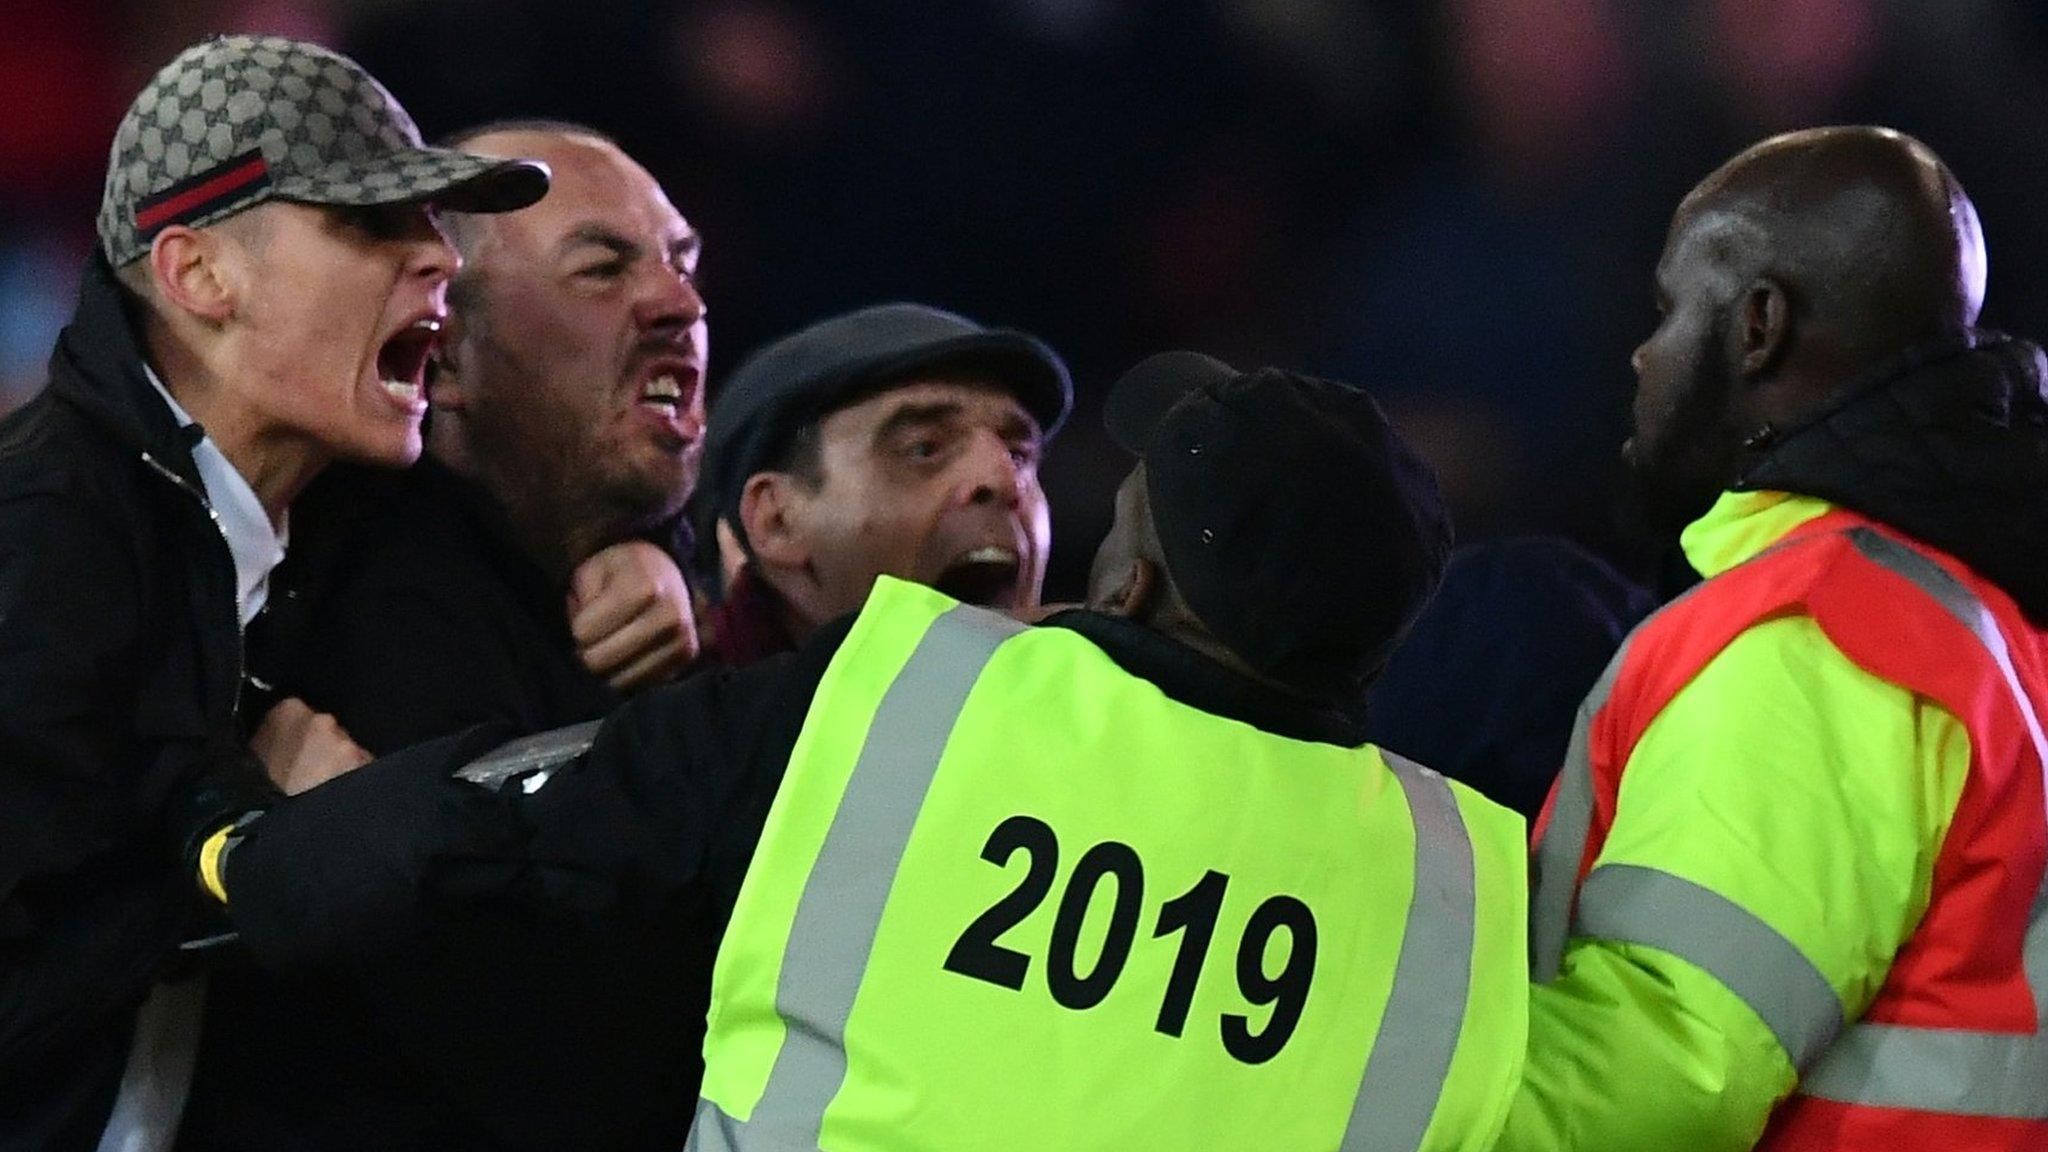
{"x": 747, "y": 625}
{"x": 1742, "y": 524}
{"x": 1948, "y": 443}
{"x": 1201, "y": 683}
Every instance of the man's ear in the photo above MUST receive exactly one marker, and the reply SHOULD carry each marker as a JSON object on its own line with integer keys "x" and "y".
{"x": 1132, "y": 598}
{"x": 1762, "y": 330}
{"x": 196, "y": 272}
{"x": 770, "y": 507}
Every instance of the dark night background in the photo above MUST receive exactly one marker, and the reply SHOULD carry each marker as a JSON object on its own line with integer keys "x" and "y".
{"x": 1457, "y": 203}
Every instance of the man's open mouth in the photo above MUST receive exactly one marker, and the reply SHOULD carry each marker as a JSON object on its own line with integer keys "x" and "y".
{"x": 669, "y": 390}
{"x": 986, "y": 576}
{"x": 402, "y": 362}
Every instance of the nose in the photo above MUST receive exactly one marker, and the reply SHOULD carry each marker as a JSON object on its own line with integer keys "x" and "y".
{"x": 1635, "y": 358}
{"x": 669, "y": 299}
{"x": 992, "y": 473}
{"x": 434, "y": 256}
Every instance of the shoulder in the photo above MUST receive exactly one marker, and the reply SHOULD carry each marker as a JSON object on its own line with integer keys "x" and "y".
{"x": 53, "y": 454}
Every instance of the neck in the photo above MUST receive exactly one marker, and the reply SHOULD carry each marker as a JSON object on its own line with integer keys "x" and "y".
{"x": 278, "y": 467}
{"x": 783, "y": 593}
{"x": 546, "y": 518}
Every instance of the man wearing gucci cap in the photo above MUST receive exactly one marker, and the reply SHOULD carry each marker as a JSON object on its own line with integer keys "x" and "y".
{"x": 267, "y": 289}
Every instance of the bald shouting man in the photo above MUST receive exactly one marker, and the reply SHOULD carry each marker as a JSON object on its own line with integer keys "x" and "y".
{"x": 1789, "y": 891}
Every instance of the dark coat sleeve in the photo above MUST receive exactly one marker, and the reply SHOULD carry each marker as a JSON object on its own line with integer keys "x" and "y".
{"x": 661, "y": 810}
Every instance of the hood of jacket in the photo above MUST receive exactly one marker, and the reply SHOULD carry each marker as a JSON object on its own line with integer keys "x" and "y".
{"x": 1948, "y": 443}
{"x": 100, "y": 367}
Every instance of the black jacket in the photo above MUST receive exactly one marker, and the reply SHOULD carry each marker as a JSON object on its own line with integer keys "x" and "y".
{"x": 411, "y": 615}
{"x": 1948, "y": 444}
{"x": 405, "y": 610}
{"x": 641, "y": 843}
{"x": 120, "y": 652}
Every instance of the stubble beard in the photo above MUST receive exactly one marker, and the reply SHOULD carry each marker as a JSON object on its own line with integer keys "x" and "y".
{"x": 1675, "y": 479}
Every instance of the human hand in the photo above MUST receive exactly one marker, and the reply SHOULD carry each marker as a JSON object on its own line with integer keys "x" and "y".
{"x": 301, "y": 748}
{"x": 630, "y": 612}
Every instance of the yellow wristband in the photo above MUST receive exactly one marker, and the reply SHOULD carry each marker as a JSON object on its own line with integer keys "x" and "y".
{"x": 209, "y": 863}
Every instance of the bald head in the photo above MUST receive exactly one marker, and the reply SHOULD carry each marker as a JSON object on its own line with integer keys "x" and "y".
{"x": 571, "y": 381}
{"x": 1788, "y": 275}
{"x": 1869, "y": 233}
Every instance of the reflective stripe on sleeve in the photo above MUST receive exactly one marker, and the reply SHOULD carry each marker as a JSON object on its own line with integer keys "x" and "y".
{"x": 1935, "y": 1070}
{"x": 1411, "y": 1058}
{"x": 1554, "y": 866}
{"x": 540, "y": 753}
{"x": 1631, "y": 904}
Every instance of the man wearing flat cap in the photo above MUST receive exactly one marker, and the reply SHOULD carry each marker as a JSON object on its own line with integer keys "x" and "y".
{"x": 266, "y": 292}
{"x": 897, "y": 439}
{"x": 1127, "y": 879}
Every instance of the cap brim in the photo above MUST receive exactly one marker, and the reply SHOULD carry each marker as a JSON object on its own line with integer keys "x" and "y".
{"x": 1141, "y": 397}
{"x": 1035, "y": 375}
{"x": 457, "y": 181}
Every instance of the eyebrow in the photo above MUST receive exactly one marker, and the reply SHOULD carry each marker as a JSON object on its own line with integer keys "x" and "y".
{"x": 1015, "y": 425}
{"x": 685, "y": 248}
{"x": 916, "y": 415}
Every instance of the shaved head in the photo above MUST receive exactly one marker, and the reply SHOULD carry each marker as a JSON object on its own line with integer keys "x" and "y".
{"x": 1788, "y": 275}
{"x": 1866, "y": 227}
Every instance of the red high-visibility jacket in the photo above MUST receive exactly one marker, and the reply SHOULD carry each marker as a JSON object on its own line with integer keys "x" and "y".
{"x": 1791, "y": 886}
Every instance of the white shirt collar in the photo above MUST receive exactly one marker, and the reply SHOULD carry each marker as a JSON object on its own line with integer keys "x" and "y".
{"x": 256, "y": 546}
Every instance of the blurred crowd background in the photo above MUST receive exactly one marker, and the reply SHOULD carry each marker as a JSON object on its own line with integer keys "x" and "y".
{"x": 1458, "y": 203}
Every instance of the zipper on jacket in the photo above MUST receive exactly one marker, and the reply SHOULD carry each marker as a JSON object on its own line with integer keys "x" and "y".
{"x": 241, "y": 641}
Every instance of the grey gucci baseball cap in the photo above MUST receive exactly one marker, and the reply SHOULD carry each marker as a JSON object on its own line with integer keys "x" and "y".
{"x": 238, "y": 120}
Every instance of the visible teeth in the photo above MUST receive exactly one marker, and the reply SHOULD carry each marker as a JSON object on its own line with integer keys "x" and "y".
{"x": 404, "y": 390}
{"x": 427, "y": 325}
{"x": 991, "y": 554}
{"x": 664, "y": 387}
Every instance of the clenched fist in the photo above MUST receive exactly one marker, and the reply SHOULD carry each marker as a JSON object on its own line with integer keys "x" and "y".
{"x": 301, "y": 748}
{"x": 630, "y": 612}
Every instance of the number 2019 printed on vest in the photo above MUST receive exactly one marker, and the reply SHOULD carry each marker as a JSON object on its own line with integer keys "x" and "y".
{"x": 1192, "y": 914}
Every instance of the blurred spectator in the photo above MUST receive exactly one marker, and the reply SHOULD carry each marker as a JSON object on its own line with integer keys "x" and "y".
{"x": 1488, "y": 682}
{"x": 1456, "y": 200}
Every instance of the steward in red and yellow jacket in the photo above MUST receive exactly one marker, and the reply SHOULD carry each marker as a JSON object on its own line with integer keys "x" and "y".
{"x": 1789, "y": 892}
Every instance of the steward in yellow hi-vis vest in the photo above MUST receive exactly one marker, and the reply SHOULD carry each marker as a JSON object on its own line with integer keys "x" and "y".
{"x": 1791, "y": 892}
{"x": 1127, "y": 880}
{"x": 1011, "y": 896}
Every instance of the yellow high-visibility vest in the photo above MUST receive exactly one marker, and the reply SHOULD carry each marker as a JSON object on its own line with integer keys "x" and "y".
{"x": 1010, "y": 896}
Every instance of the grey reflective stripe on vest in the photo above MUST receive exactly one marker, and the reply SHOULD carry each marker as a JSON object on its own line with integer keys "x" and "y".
{"x": 1418, "y": 1035}
{"x": 840, "y": 909}
{"x": 1636, "y": 905}
{"x": 158, "y": 1076}
{"x": 1943, "y": 1069}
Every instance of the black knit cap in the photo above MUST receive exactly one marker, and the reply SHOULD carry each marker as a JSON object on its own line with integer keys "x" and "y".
{"x": 809, "y": 373}
{"x": 1298, "y": 525}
